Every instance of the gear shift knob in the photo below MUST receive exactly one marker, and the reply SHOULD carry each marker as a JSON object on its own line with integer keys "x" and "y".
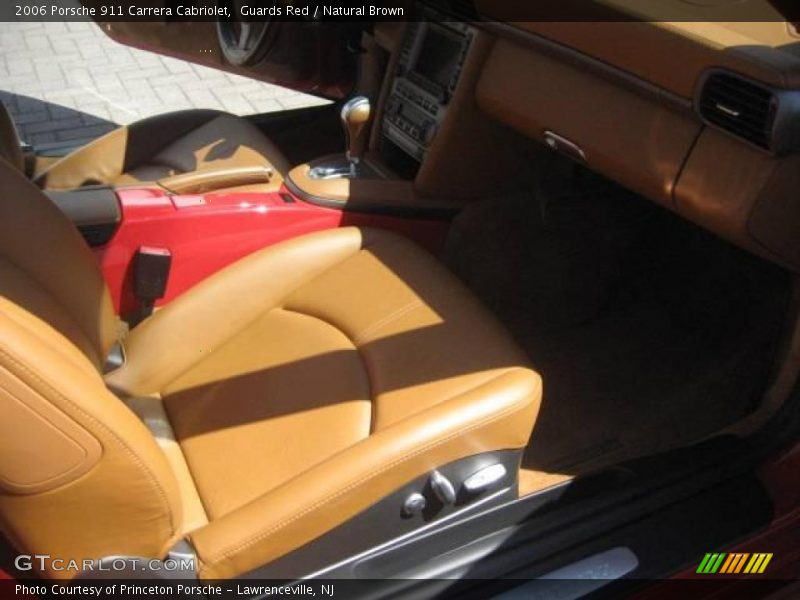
{"x": 355, "y": 116}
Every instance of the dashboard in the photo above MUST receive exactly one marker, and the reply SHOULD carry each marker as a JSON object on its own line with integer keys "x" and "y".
{"x": 702, "y": 118}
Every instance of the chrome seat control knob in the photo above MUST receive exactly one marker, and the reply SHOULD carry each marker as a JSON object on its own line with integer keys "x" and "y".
{"x": 414, "y": 504}
{"x": 443, "y": 489}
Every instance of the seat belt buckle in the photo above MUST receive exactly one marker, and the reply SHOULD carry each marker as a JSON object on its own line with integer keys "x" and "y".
{"x": 150, "y": 277}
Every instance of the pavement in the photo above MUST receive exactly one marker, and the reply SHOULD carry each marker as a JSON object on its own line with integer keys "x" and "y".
{"x": 67, "y": 83}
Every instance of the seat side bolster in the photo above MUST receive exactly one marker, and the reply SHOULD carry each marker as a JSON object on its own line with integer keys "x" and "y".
{"x": 498, "y": 415}
{"x": 94, "y": 461}
{"x": 202, "y": 319}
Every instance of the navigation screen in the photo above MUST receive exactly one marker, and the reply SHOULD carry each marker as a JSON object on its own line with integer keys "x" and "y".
{"x": 438, "y": 56}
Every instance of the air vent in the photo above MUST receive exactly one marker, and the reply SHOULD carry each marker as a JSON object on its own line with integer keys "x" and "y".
{"x": 745, "y": 109}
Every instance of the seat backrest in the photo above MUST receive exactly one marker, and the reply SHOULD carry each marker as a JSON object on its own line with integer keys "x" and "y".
{"x": 80, "y": 475}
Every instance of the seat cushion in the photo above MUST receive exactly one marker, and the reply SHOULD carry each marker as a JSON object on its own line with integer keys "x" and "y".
{"x": 162, "y": 146}
{"x": 280, "y": 396}
{"x": 335, "y": 361}
{"x": 368, "y": 341}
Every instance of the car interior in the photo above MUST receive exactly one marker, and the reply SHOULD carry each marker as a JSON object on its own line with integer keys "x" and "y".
{"x": 513, "y": 266}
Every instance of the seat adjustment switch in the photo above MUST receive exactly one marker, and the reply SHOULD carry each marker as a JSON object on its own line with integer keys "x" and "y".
{"x": 484, "y": 479}
{"x": 414, "y": 504}
{"x": 443, "y": 489}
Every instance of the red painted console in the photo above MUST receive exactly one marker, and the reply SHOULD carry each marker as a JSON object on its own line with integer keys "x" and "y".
{"x": 205, "y": 233}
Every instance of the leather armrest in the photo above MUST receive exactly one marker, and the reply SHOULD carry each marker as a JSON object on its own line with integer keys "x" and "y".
{"x": 497, "y": 415}
{"x": 199, "y": 182}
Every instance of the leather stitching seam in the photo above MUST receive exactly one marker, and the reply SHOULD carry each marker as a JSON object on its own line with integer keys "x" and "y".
{"x": 364, "y": 336}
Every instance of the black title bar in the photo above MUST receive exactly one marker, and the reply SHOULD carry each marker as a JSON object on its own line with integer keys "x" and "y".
{"x": 778, "y": 11}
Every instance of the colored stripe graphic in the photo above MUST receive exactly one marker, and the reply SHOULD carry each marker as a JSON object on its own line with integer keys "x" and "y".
{"x": 754, "y": 564}
{"x": 727, "y": 564}
{"x": 730, "y": 563}
{"x": 742, "y": 558}
{"x": 711, "y": 563}
{"x": 734, "y": 563}
{"x": 761, "y": 564}
{"x": 717, "y": 563}
{"x": 703, "y": 564}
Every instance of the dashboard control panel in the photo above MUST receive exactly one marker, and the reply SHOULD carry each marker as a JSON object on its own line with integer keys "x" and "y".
{"x": 425, "y": 78}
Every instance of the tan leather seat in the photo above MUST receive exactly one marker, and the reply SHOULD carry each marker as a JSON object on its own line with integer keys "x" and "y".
{"x": 154, "y": 148}
{"x": 302, "y": 385}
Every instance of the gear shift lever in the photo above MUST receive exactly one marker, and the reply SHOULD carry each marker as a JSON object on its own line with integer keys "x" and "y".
{"x": 355, "y": 116}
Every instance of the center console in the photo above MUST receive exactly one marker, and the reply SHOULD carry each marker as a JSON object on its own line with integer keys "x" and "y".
{"x": 426, "y": 75}
{"x": 379, "y": 175}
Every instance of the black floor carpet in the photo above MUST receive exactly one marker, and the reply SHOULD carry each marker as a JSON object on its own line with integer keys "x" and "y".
{"x": 649, "y": 333}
